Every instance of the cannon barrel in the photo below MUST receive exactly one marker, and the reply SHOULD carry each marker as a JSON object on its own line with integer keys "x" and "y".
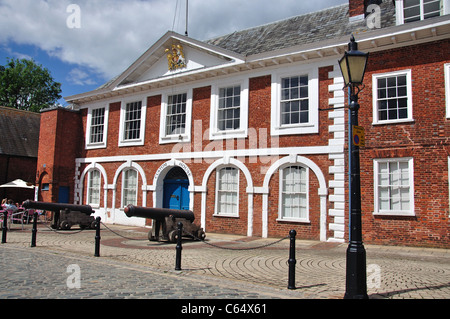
{"x": 158, "y": 214}
{"x": 56, "y": 207}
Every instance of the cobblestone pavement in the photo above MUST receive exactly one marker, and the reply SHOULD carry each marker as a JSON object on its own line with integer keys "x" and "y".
{"x": 223, "y": 267}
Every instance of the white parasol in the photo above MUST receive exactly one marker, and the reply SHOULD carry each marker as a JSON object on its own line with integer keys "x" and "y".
{"x": 18, "y": 183}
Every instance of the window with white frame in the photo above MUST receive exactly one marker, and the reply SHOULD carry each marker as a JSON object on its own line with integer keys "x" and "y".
{"x": 295, "y": 99}
{"x": 392, "y": 97}
{"x": 447, "y": 88}
{"x": 229, "y": 110}
{"x": 394, "y": 187}
{"x": 97, "y": 124}
{"x": 132, "y": 125}
{"x": 132, "y": 122}
{"x": 416, "y": 10}
{"x": 294, "y": 197}
{"x": 227, "y": 192}
{"x": 129, "y": 187}
{"x": 93, "y": 188}
{"x": 176, "y": 114}
{"x": 176, "y": 117}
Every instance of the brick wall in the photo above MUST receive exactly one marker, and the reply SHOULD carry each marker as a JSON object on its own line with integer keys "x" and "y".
{"x": 60, "y": 142}
{"x": 425, "y": 139}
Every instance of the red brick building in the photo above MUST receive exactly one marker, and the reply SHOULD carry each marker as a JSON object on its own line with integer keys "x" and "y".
{"x": 18, "y": 151}
{"x": 248, "y": 130}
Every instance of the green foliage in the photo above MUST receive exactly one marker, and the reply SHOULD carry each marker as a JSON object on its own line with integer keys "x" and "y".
{"x": 26, "y": 85}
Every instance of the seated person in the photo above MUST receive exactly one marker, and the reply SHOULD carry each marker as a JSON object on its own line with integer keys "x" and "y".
{"x": 11, "y": 206}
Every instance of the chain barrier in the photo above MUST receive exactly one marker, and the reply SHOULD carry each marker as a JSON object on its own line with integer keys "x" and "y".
{"x": 129, "y": 238}
{"x": 63, "y": 233}
{"x": 233, "y": 248}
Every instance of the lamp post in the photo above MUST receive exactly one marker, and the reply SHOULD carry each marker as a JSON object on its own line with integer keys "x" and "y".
{"x": 353, "y": 66}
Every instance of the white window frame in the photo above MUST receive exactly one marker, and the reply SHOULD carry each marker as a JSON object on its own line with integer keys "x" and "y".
{"x": 132, "y": 142}
{"x": 280, "y": 197}
{"x": 176, "y": 138}
{"x": 89, "y": 188}
{"x": 375, "y": 78}
{"x": 102, "y": 144}
{"x": 217, "y": 212}
{"x": 242, "y": 132}
{"x": 312, "y": 126}
{"x": 124, "y": 173}
{"x": 447, "y": 89}
{"x": 377, "y": 210}
{"x": 399, "y": 13}
{"x": 448, "y": 163}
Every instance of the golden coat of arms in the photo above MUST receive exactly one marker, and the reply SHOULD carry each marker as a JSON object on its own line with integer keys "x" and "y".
{"x": 175, "y": 57}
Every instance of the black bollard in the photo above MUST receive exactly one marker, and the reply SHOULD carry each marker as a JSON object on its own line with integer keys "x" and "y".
{"x": 179, "y": 247}
{"x": 292, "y": 261}
{"x": 34, "y": 230}
{"x": 97, "y": 237}
{"x": 5, "y": 226}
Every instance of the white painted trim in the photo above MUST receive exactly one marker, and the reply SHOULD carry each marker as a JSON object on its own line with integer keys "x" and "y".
{"x": 177, "y": 138}
{"x": 322, "y": 191}
{"x": 242, "y": 132}
{"x": 307, "y": 150}
{"x": 158, "y": 182}
{"x": 80, "y": 187}
{"x": 375, "y": 77}
{"x": 241, "y": 166}
{"x": 447, "y": 89}
{"x": 141, "y": 140}
{"x": 89, "y": 145}
{"x": 377, "y": 211}
{"x": 313, "y": 97}
{"x": 399, "y": 12}
{"x": 216, "y": 201}
{"x": 280, "y": 197}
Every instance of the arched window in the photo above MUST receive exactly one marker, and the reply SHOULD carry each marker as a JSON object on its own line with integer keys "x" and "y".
{"x": 129, "y": 187}
{"x": 227, "y": 192}
{"x": 93, "y": 188}
{"x": 294, "y": 197}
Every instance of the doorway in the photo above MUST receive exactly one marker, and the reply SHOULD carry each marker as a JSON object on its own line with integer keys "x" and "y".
{"x": 176, "y": 190}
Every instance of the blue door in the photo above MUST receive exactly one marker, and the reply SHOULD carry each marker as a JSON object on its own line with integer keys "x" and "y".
{"x": 63, "y": 195}
{"x": 176, "y": 194}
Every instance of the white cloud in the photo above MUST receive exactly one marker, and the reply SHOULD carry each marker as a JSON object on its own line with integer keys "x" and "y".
{"x": 79, "y": 77}
{"x": 114, "y": 33}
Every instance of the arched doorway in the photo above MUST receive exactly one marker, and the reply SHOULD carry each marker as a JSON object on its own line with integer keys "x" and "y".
{"x": 176, "y": 189}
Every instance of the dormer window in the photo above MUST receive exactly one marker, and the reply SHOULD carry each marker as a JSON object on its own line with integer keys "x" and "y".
{"x": 416, "y": 10}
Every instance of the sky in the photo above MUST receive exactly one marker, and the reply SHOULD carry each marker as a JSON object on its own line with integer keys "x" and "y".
{"x": 85, "y": 43}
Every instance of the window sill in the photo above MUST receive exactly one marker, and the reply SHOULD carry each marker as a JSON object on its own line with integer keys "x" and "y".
{"x": 95, "y": 146}
{"x": 222, "y": 135}
{"x": 395, "y": 214}
{"x": 294, "y": 220}
{"x": 226, "y": 215}
{"x": 394, "y": 122}
{"x": 131, "y": 143}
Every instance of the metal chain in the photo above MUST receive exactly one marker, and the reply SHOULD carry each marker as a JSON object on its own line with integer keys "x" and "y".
{"x": 112, "y": 231}
{"x": 233, "y": 248}
{"x": 72, "y": 233}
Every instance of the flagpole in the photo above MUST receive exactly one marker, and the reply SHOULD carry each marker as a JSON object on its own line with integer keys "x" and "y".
{"x": 187, "y": 16}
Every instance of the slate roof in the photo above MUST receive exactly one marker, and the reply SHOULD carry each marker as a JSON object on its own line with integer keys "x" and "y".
{"x": 318, "y": 26}
{"x": 19, "y": 132}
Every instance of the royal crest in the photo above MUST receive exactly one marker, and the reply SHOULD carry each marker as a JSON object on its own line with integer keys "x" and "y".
{"x": 175, "y": 57}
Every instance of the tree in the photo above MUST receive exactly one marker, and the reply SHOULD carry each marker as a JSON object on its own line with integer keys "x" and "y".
{"x": 26, "y": 85}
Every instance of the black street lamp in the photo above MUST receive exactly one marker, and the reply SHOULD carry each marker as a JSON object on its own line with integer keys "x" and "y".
{"x": 353, "y": 66}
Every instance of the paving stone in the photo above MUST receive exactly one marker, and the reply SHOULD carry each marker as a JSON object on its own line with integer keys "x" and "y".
{"x": 140, "y": 269}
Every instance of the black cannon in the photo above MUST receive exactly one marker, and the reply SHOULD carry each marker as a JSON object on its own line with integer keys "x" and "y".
{"x": 165, "y": 222}
{"x": 65, "y": 215}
